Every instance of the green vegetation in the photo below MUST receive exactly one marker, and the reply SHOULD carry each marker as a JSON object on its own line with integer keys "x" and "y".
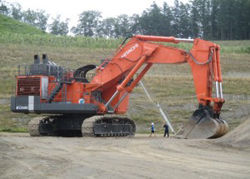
{"x": 13, "y": 129}
{"x": 10, "y": 122}
{"x": 210, "y": 19}
{"x": 234, "y": 46}
{"x": 58, "y": 41}
{"x": 8, "y": 24}
{"x": 15, "y": 32}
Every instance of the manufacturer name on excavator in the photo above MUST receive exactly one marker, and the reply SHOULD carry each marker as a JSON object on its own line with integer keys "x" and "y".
{"x": 129, "y": 51}
{"x": 21, "y": 107}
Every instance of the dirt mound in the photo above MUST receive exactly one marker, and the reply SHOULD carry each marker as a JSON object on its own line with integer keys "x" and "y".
{"x": 239, "y": 137}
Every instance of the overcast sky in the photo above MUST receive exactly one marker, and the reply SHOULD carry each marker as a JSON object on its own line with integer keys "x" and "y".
{"x": 71, "y": 9}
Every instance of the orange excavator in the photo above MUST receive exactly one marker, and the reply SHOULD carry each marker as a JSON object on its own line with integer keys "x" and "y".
{"x": 79, "y": 107}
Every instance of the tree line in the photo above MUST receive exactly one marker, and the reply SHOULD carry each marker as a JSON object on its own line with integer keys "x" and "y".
{"x": 208, "y": 19}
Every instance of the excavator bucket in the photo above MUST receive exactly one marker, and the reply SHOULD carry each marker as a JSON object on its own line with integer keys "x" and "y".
{"x": 202, "y": 126}
{"x": 205, "y": 128}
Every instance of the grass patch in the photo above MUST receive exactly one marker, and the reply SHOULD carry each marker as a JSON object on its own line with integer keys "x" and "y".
{"x": 10, "y": 25}
{"x": 13, "y": 122}
{"x": 14, "y": 129}
{"x": 234, "y": 46}
{"x": 58, "y": 41}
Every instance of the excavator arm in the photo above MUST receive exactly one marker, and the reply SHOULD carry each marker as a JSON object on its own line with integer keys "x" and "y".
{"x": 117, "y": 78}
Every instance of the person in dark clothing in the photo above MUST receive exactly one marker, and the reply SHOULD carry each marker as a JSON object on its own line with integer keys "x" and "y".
{"x": 166, "y": 131}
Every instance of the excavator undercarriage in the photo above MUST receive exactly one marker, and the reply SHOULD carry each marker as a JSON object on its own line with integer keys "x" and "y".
{"x": 77, "y": 125}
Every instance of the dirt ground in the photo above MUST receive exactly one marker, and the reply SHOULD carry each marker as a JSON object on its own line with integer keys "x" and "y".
{"x": 23, "y": 156}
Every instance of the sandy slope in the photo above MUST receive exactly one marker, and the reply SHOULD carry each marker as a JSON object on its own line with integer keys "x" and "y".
{"x": 22, "y": 156}
{"x": 239, "y": 137}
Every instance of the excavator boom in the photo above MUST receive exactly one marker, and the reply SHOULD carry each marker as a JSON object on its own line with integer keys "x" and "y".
{"x": 204, "y": 60}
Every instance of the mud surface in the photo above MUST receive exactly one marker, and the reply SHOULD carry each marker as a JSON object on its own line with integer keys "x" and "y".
{"x": 23, "y": 156}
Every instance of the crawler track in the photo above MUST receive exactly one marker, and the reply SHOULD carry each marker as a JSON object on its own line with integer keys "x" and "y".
{"x": 42, "y": 126}
{"x": 109, "y": 126}
{"x": 61, "y": 125}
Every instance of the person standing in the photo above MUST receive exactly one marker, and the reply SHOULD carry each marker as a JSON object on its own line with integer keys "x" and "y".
{"x": 166, "y": 130}
{"x": 152, "y": 129}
